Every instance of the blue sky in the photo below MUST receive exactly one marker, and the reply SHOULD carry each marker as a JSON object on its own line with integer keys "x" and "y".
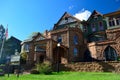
{"x": 26, "y": 16}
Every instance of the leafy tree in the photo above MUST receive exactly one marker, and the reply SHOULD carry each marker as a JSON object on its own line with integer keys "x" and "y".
{"x": 23, "y": 55}
{"x": 2, "y": 32}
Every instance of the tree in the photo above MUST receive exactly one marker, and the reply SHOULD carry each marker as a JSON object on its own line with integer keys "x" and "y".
{"x": 2, "y": 33}
{"x": 23, "y": 55}
{"x": 2, "y": 37}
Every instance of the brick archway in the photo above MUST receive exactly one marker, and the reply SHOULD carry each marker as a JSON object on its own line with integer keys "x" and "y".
{"x": 110, "y": 53}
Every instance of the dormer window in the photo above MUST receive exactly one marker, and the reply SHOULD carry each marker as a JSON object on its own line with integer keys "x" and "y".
{"x": 66, "y": 18}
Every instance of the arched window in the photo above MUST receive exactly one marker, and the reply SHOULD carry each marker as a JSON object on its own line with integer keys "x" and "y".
{"x": 110, "y": 54}
{"x": 75, "y": 39}
{"x": 75, "y": 51}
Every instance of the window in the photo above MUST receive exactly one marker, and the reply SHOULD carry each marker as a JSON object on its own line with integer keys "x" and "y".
{"x": 66, "y": 19}
{"x": 59, "y": 39}
{"x": 95, "y": 18}
{"x": 110, "y": 54}
{"x": 75, "y": 39}
{"x": 111, "y": 22}
{"x": 75, "y": 51}
{"x": 26, "y": 47}
{"x": 101, "y": 26}
{"x": 93, "y": 27}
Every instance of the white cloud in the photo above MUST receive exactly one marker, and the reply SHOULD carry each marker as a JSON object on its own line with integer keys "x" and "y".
{"x": 70, "y": 7}
{"x": 83, "y": 14}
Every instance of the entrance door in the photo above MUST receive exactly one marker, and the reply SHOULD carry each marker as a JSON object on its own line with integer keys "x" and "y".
{"x": 87, "y": 56}
{"x": 41, "y": 58}
{"x": 58, "y": 53}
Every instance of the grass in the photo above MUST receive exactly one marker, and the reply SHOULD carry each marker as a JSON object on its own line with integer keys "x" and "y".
{"x": 66, "y": 76}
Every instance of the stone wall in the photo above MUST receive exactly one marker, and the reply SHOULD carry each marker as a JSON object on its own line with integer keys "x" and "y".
{"x": 91, "y": 66}
{"x": 80, "y": 46}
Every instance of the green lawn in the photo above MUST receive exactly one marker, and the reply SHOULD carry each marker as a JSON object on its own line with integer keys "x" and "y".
{"x": 66, "y": 76}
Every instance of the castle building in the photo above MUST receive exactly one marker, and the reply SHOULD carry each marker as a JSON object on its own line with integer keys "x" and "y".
{"x": 66, "y": 32}
{"x": 72, "y": 40}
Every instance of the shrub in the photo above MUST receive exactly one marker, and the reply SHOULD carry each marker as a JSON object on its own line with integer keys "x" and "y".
{"x": 23, "y": 55}
{"x": 1, "y": 72}
{"x": 118, "y": 59}
{"x": 44, "y": 68}
{"x": 33, "y": 71}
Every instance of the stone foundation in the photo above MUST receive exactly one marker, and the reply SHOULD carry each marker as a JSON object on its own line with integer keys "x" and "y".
{"x": 90, "y": 66}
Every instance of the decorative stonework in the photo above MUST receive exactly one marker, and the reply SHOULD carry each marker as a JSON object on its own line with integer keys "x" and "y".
{"x": 113, "y": 41}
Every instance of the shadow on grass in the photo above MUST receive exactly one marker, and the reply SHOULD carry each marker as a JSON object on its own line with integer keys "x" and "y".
{"x": 106, "y": 67}
{"x": 62, "y": 67}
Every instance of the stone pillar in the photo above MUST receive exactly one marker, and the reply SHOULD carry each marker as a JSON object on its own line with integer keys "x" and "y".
{"x": 92, "y": 49}
{"x": 49, "y": 51}
{"x": 107, "y": 21}
{"x": 115, "y": 21}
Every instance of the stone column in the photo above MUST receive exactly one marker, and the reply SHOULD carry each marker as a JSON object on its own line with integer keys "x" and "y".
{"x": 107, "y": 21}
{"x": 115, "y": 21}
{"x": 49, "y": 51}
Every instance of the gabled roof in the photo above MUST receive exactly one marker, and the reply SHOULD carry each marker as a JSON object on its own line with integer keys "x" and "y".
{"x": 34, "y": 37}
{"x": 12, "y": 38}
{"x": 65, "y": 15}
{"x": 94, "y": 13}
